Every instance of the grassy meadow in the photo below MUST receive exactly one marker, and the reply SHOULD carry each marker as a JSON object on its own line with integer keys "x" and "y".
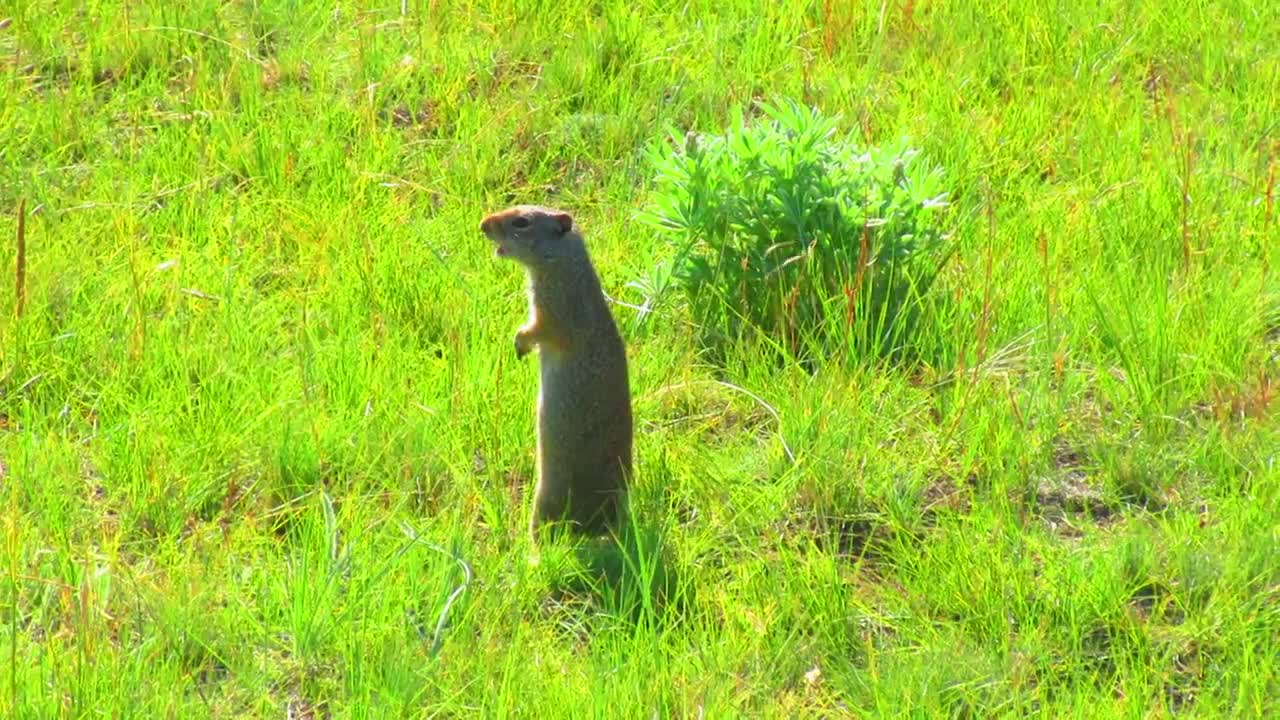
{"x": 266, "y": 449}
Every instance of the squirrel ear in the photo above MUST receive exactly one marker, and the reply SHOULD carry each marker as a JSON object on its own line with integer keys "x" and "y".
{"x": 565, "y": 220}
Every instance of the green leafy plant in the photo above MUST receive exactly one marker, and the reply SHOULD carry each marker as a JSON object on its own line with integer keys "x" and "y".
{"x": 788, "y": 230}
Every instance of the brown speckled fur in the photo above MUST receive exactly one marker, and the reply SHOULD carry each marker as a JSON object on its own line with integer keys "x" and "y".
{"x": 584, "y": 404}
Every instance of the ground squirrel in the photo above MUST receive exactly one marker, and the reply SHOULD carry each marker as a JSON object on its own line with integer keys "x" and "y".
{"x": 584, "y": 402}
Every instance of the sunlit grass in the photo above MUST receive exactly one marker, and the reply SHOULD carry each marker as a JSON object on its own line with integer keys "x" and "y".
{"x": 264, "y": 448}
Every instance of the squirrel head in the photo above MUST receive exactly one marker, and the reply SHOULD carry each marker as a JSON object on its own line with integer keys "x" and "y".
{"x": 532, "y": 235}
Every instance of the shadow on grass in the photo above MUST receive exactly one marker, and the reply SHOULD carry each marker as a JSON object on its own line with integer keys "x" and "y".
{"x": 629, "y": 577}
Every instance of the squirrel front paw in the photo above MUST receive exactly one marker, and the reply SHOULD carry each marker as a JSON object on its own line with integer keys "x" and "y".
{"x": 522, "y": 345}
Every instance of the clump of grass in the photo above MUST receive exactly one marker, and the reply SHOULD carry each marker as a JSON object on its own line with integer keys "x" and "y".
{"x": 791, "y": 230}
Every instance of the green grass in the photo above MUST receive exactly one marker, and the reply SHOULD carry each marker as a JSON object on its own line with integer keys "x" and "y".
{"x": 261, "y": 408}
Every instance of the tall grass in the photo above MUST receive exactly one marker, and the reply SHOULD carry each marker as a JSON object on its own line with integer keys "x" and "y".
{"x": 264, "y": 452}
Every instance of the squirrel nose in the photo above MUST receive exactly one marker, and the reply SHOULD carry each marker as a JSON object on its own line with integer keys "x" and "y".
{"x": 485, "y": 224}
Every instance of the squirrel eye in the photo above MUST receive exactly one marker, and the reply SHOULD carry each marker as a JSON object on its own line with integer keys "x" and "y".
{"x": 520, "y": 222}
